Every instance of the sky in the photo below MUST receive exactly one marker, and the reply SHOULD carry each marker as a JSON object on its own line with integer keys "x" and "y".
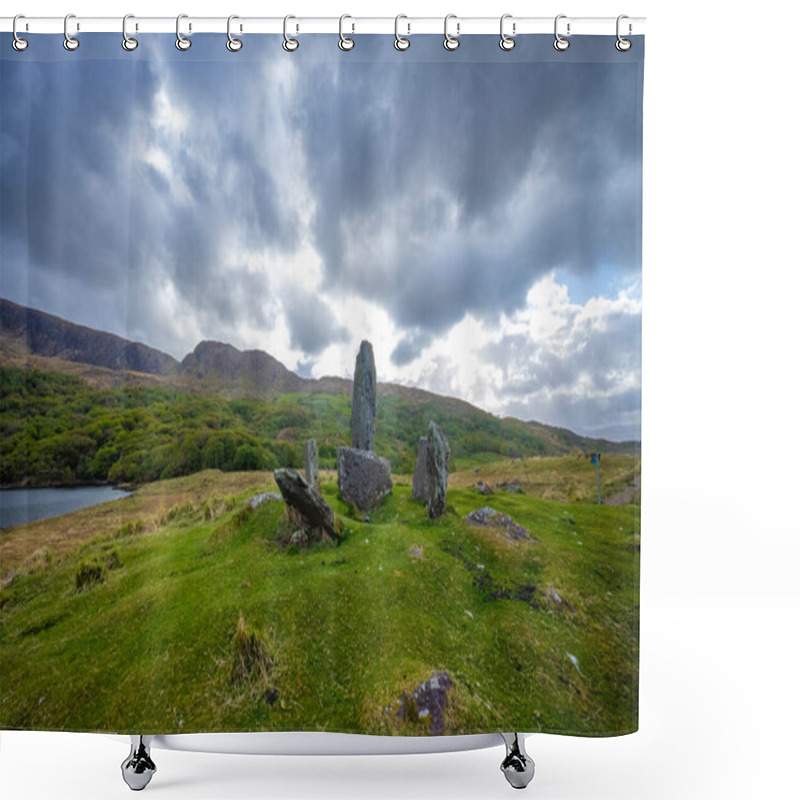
{"x": 476, "y": 216}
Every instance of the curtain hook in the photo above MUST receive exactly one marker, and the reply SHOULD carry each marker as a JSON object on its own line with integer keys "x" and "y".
{"x": 560, "y": 43}
{"x": 19, "y": 44}
{"x": 345, "y": 43}
{"x": 506, "y": 42}
{"x": 70, "y": 42}
{"x": 128, "y": 42}
{"x": 400, "y": 42}
{"x": 450, "y": 42}
{"x": 233, "y": 44}
{"x": 181, "y": 42}
{"x": 622, "y": 44}
{"x": 289, "y": 44}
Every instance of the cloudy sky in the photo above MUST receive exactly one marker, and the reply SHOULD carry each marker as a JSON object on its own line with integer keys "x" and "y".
{"x": 476, "y": 215}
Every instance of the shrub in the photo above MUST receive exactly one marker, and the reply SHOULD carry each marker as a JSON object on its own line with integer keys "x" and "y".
{"x": 112, "y": 560}
{"x": 89, "y": 573}
{"x": 251, "y": 657}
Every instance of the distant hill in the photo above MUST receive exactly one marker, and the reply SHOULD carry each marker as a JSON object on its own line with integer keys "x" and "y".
{"x": 172, "y": 440}
{"x": 50, "y": 336}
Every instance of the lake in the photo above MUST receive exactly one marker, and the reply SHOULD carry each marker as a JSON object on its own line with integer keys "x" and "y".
{"x": 26, "y": 505}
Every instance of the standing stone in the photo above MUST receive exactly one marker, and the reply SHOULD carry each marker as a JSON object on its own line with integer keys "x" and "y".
{"x": 312, "y": 464}
{"x": 438, "y": 460}
{"x": 364, "y": 477}
{"x": 419, "y": 488}
{"x": 362, "y": 419}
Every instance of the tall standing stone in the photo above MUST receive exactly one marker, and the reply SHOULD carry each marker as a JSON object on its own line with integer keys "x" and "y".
{"x": 419, "y": 488}
{"x": 312, "y": 464}
{"x": 362, "y": 419}
{"x": 438, "y": 460}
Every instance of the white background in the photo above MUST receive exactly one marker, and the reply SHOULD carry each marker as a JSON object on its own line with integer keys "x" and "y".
{"x": 720, "y": 604}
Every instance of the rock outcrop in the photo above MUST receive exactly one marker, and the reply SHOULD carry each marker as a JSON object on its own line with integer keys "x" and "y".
{"x": 427, "y": 703}
{"x": 489, "y": 517}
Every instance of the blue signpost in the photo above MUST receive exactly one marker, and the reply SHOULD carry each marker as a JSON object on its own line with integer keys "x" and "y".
{"x": 596, "y": 460}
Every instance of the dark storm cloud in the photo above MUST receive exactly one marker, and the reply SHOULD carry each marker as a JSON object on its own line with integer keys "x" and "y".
{"x": 312, "y": 325}
{"x": 481, "y": 176}
{"x": 98, "y": 233}
{"x": 409, "y": 348}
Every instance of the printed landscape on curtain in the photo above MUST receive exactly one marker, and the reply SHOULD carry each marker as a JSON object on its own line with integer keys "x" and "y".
{"x": 321, "y": 386}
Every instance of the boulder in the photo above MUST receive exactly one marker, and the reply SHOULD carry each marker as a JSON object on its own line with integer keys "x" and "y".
{"x": 255, "y": 502}
{"x": 308, "y": 505}
{"x": 438, "y": 461}
{"x": 365, "y": 387}
{"x": 419, "y": 488}
{"x": 490, "y": 517}
{"x": 312, "y": 463}
{"x": 427, "y": 703}
{"x": 364, "y": 477}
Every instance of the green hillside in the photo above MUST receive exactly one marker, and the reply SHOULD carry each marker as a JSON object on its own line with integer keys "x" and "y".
{"x": 199, "y": 619}
{"x": 57, "y": 429}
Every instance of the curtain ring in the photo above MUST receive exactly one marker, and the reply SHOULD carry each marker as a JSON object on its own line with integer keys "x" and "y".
{"x": 70, "y": 42}
{"x": 128, "y": 42}
{"x": 181, "y": 42}
{"x": 400, "y": 42}
{"x": 19, "y": 44}
{"x": 233, "y": 44}
{"x": 506, "y": 42}
{"x": 345, "y": 43}
{"x": 622, "y": 44}
{"x": 450, "y": 42}
{"x": 289, "y": 44}
{"x": 560, "y": 43}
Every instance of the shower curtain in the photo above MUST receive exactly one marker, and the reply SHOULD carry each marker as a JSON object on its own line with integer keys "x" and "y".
{"x": 334, "y": 356}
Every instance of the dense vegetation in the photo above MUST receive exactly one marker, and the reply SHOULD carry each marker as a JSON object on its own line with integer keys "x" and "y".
{"x": 56, "y": 429}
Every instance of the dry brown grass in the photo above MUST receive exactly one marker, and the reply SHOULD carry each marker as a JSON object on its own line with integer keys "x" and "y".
{"x": 567, "y": 479}
{"x": 147, "y": 506}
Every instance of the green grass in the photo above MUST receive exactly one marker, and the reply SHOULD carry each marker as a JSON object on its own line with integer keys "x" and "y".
{"x": 331, "y": 636}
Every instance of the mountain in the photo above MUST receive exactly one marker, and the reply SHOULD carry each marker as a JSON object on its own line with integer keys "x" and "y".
{"x": 41, "y": 334}
{"x": 215, "y": 363}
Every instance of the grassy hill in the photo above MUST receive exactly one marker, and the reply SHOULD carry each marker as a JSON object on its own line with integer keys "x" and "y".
{"x": 184, "y": 613}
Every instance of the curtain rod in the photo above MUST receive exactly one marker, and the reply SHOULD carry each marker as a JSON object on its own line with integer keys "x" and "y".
{"x": 462, "y": 26}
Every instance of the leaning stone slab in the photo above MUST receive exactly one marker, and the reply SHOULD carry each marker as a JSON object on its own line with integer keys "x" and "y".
{"x": 364, "y": 477}
{"x": 310, "y": 508}
{"x": 438, "y": 460}
{"x": 365, "y": 388}
{"x": 419, "y": 488}
{"x": 312, "y": 463}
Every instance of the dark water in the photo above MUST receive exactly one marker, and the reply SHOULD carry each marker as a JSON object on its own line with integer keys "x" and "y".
{"x": 26, "y": 505}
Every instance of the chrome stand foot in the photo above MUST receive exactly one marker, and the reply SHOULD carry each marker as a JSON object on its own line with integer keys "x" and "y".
{"x": 518, "y": 766}
{"x": 138, "y": 768}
